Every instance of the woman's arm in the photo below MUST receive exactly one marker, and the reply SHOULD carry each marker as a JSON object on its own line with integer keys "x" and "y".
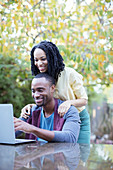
{"x": 64, "y": 107}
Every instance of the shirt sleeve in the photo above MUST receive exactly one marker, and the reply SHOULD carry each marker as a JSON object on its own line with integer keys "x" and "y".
{"x": 71, "y": 127}
{"x": 76, "y": 81}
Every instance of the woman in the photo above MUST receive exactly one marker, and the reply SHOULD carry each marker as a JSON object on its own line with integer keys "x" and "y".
{"x": 45, "y": 57}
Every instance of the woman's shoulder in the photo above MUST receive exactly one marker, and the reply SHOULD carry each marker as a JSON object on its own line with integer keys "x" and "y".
{"x": 70, "y": 71}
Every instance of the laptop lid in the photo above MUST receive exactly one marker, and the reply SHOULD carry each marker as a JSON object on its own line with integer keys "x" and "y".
{"x": 7, "y": 132}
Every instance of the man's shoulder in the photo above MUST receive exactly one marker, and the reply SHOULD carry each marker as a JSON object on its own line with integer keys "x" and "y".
{"x": 72, "y": 114}
{"x": 35, "y": 108}
{"x": 59, "y": 101}
{"x": 72, "y": 108}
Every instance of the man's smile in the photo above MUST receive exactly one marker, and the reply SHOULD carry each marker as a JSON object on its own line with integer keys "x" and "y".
{"x": 38, "y": 100}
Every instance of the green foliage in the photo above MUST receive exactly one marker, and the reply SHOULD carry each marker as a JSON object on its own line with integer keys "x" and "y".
{"x": 13, "y": 87}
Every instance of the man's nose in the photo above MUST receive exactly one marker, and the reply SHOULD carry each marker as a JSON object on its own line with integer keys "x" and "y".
{"x": 37, "y": 94}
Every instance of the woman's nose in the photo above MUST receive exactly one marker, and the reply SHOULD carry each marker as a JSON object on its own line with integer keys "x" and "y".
{"x": 39, "y": 63}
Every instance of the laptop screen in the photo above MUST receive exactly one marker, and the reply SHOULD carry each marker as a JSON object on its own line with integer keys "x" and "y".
{"x": 7, "y": 133}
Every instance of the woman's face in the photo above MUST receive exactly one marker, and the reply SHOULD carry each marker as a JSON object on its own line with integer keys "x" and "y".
{"x": 40, "y": 60}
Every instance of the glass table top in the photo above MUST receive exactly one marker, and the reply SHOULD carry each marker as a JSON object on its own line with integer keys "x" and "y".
{"x": 56, "y": 156}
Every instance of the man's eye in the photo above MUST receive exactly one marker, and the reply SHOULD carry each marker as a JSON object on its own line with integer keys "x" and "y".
{"x": 40, "y": 91}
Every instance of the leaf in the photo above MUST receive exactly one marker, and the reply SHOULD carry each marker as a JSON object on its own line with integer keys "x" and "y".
{"x": 108, "y": 1}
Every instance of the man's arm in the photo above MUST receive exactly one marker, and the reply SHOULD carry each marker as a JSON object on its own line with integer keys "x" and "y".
{"x": 20, "y": 125}
{"x": 71, "y": 127}
{"x": 69, "y": 132}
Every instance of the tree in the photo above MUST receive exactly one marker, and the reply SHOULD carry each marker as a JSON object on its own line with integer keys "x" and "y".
{"x": 85, "y": 31}
{"x": 82, "y": 31}
{"x": 14, "y": 88}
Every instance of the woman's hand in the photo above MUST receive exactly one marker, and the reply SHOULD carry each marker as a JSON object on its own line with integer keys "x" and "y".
{"x": 64, "y": 107}
{"x": 25, "y": 112}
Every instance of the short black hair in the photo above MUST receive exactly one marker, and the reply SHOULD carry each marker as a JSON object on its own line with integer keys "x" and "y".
{"x": 54, "y": 58}
{"x": 47, "y": 77}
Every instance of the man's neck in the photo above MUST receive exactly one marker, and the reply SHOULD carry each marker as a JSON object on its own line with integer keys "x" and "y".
{"x": 49, "y": 108}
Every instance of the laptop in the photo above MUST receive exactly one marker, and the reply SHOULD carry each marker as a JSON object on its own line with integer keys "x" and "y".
{"x": 7, "y": 132}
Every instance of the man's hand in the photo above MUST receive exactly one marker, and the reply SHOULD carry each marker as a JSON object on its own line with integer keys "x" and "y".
{"x": 25, "y": 112}
{"x": 27, "y": 128}
{"x": 64, "y": 107}
{"x": 21, "y": 125}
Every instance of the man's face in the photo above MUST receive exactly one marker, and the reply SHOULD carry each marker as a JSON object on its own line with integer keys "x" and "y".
{"x": 42, "y": 92}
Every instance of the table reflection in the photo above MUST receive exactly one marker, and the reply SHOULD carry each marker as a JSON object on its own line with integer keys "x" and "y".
{"x": 49, "y": 156}
{"x": 7, "y": 157}
{"x": 60, "y": 156}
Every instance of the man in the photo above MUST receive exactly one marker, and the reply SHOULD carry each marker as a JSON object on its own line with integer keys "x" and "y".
{"x": 45, "y": 122}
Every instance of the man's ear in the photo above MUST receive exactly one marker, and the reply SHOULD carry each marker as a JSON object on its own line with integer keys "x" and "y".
{"x": 53, "y": 88}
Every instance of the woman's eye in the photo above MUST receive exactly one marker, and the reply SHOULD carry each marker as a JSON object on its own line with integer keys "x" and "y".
{"x": 43, "y": 59}
{"x": 35, "y": 60}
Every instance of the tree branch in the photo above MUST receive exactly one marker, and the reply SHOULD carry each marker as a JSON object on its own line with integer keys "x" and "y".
{"x": 107, "y": 84}
{"x": 100, "y": 19}
{"x": 37, "y": 3}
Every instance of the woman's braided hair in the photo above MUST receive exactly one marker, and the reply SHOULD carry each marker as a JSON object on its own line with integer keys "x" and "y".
{"x": 54, "y": 58}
